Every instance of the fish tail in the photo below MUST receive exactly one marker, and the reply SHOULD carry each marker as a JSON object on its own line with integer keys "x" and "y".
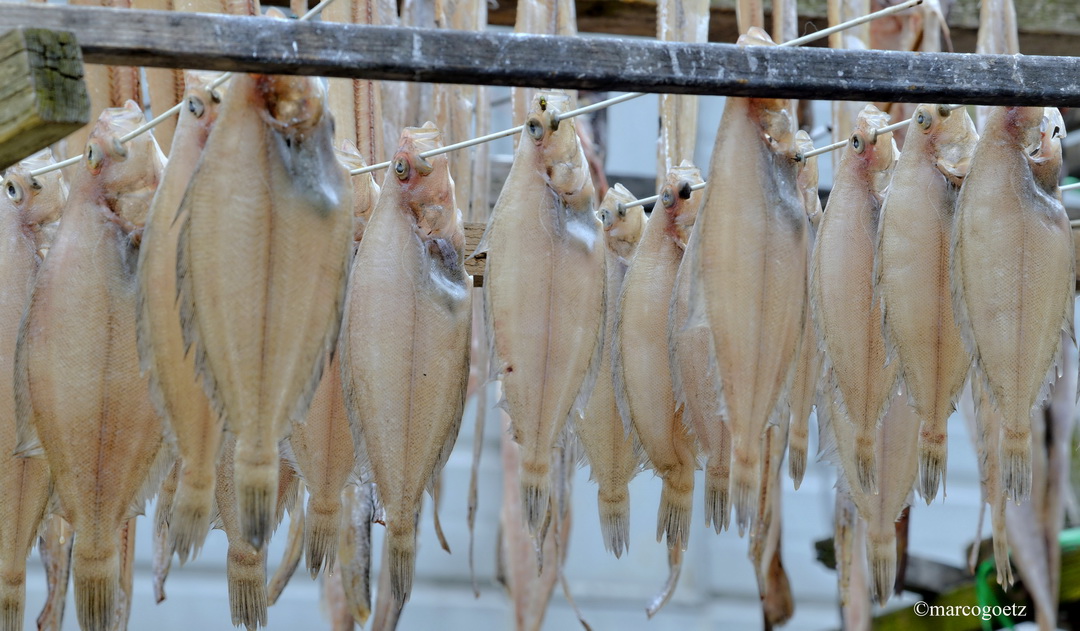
{"x": 615, "y": 518}
{"x": 12, "y": 598}
{"x": 245, "y": 571}
{"x": 881, "y": 557}
{"x": 717, "y": 497}
{"x": 401, "y": 551}
{"x": 744, "y": 491}
{"x": 321, "y": 537}
{"x": 190, "y": 520}
{"x": 1001, "y": 549}
{"x": 256, "y": 482}
{"x": 535, "y": 491}
{"x": 96, "y": 574}
{"x": 797, "y": 462}
{"x": 933, "y": 452}
{"x": 1016, "y": 463}
{"x": 866, "y": 460}
{"x": 673, "y": 517}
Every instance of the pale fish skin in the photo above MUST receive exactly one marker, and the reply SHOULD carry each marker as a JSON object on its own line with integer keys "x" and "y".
{"x": 354, "y": 549}
{"x": 78, "y": 387}
{"x": 27, "y": 205}
{"x": 613, "y": 454}
{"x": 1012, "y": 273}
{"x": 774, "y": 588}
{"x": 911, "y": 276}
{"x": 748, "y": 275}
{"x": 405, "y": 344}
{"x": 553, "y": 285}
{"x": 986, "y": 424}
{"x": 846, "y": 316}
{"x": 262, "y": 285}
{"x": 808, "y": 363}
{"x": 163, "y": 554}
{"x": 192, "y": 423}
{"x": 365, "y": 190}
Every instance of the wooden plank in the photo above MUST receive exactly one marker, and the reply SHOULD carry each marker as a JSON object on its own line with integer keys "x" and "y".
{"x": 42, "y": 94}
{"x": 474, "y": 266}
{"x": 219, "y": 42}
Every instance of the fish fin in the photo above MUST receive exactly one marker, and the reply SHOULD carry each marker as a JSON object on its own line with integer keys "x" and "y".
{"x": 827, "y": 447}
{"x": 481, "y": 398}
{"x": 676, "y": 507}
{"x": 96, "y": 575}
{"x": 1001, "y": 543}
{"x": 614, "y": 509}
{"x": 321, "y": 527}
{"x": 290, "y": 560}
{"x": 618, "y": 379}
{"x": 593, "y": 372}
{"x": 145, "y": 350}
{"x": 27, "y": 442}
{"x": 245, "y": 570}
{"x": 675, "y": 559}
{"x": 718, "y": 490}
{"x": 401, "y": 560}
{"x": 881, "y": 558}
{"x": 163, "y": 463}
{"x": 435, "y": 493}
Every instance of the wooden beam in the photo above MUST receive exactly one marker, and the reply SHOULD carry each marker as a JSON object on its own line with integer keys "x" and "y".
{"x": 42, "y": 94}
{"x": 219, "y": 42}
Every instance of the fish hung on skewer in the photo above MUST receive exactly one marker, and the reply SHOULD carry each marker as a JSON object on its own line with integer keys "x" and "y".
{"x": 27, "y": 205}
{"x": 911, "y": 276}
{"x": 553, "y": 284}
{"x": 405, "y": 344}
{"x": 612, "y": 452}
{"x": 262, "y": 285}
{"x": 80, "y": 399}
{"x": 1012, "y": 273}
{"x": 847, "y": 318}
{"x": 748, "y": 274}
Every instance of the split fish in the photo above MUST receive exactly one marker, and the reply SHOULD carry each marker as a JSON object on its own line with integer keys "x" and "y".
{"x": 79, "y": 397}
{"x": 1012, "y": 273}
{"x": 414, "y": 307}
{"x": 808, "y": 364}
{"x": 847, "y": 318}
{"x": 192, "y": 423}
{"x": 262, "y": 285}
{"x": 748, "y": 274}
{"x": 553, "y": 284}
{"x": 613, "y": 454}
{"x": 27, "y": 205}
{"x": 911, "y": 276}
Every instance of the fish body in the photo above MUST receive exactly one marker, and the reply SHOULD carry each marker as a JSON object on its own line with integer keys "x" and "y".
{"x": 27, "y": 204}
{"x": 613, "y": 458}
{"x": 987, "y": 435}
{"x": 194, "y": 425}
{"x": 912, "y": 275}
{"x": 1012, "y": 272}
{"x": 262, "y": 285}
{"x": 748, "y": 274}
{"x": 405, "y": 347}
{"x": 847, "y": 318}
{"x": 78, "y": 388}
{"x": 553, "y": 285}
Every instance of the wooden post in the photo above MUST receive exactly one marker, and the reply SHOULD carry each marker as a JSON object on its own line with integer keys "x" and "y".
{"x": 42, "y": 94}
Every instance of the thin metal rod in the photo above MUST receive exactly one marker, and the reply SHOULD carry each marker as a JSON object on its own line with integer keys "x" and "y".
{"x": 447, "y": 149}
{"x": 1070, "y": 187}
{"x": 652, "y": 200}
{"x": 857, "y": 21}
{"x": 172, "y": 111}
{"x": 840, "y": 144}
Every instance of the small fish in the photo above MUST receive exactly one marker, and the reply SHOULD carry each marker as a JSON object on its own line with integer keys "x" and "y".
{"x": 553, "y": 284}
{"x": 613, "y": 455}
{"x": 847, "y": 318}
{"x": 748, "y": 275}
{"x": 178, "y": 396}
{"x": 262, "y": 285}
{"x": 163, "y": 554}
{"x": 1012, "y": 272}
{"x": 354, "y": 549}
{"x": 27, "y": 204}
{"x": 774, "y": 588}
{"x": 406, "y": 411}
{"x": 911, "y": 273}
{"x": 77, "y": 383}
{"x": 54, "y": 546}
{"x": 808, "y": 364}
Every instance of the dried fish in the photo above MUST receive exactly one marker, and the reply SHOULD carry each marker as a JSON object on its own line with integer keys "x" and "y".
{"x": 679, "y": 21}
{"x": 54, "y": 546}
{"x": 163, "y": 505}
{"x": 354, "y": 549}
{"x": 294, "y": 550}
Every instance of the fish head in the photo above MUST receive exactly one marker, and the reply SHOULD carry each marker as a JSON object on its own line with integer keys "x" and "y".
{"x": 126, "y": 174}
{"x": 425, "y": 185}
{"x": 807, "y": 178}
{"x": 947, "y": 135}
{"x": 201, "y": 102}
{"x": 623, "y": 225}
{"x": 680, "y": 201}
{"x": 1046, "y": 158}
{"x": 292, "y": 105}
{"x": 365, "y": 190}
{"x": 37, "y": 198}
{"x": 873, "y": 152}
{"x": 557, "y": 147}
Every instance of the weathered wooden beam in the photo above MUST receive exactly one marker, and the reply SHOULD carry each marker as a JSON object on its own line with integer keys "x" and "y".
{"x": 218, "y": 42}
{"x": 42, "y": 94}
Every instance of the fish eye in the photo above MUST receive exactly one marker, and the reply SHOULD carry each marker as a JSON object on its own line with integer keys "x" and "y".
{"x": 34, "y": 184}
{"x": 605, "y": 217}
{"x": 215, "y": 96}
{"x": 196, "y": 107}
{"x": 857, "y": 143}
{"x": 14, "y": 191}
{"x": 622, "y": 210}
{"x": 93, "y": 157}
{"x": 667, "y": 198}
{"x": 944, "y": 110}
{"x": 923, "y": 120}
{"x": 534, "y": 129}
{"x": 401, "y": 168}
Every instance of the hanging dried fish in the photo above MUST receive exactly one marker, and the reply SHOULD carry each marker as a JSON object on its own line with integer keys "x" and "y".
{"x": 163, "y": 553}
{"x": 553, "y": 284}
{"x": 679, "y": 21}
{"x": 77, "y": 384}
{"x": 846, "y": 316}
{"x": 354, "y": 549}
{"x": 1012, "y": 272}
{"x": 54, "y": 546}
{"x": 294, "y": 550}
{"x": 748, "y": 274}
{"x": 987, "y": 424}
{"x": 612, "y": 452}
{"x": 262, "y": 286}
{"x": 912, "y": 276}
{"x": 414, "y": 307}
